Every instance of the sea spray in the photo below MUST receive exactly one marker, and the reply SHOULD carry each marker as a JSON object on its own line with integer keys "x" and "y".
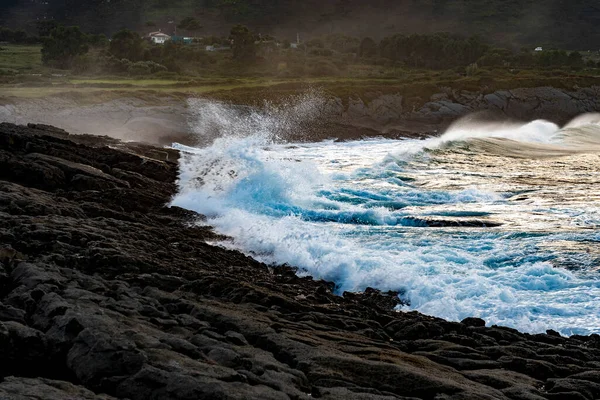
{"x": 292, "y": 117}
{"x": 336, "y": 210}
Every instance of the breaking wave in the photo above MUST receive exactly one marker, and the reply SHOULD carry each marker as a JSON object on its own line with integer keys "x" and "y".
{"x": 537, "y": 139}
{"x": 418, "y": 216}
{"x": 274, "y": 122}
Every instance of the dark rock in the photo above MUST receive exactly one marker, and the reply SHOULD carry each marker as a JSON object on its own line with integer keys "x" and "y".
{"x": 590, "y": 390}
{"x": 18, "y": 388}
{"x": 592, "y": 376}
{"x": 502, "y": 379}
{"x": 523, "y": 393}
{"x": 96, "y": 356}
{"x": 9, "y": 313}
{"x": 566, "y": 396}
{"x": 224, "y": 357}
{"x": 24, "y": 350}
{"x": 236, "y": 338}
{"x": 473, "y": 322}
{"x": 537, "y": 369}
{"x": 552, "y": 332}
{"x": 375, "y": 298}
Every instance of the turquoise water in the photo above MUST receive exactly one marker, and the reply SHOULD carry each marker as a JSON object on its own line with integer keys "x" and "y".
{"x": 487, "y": 221}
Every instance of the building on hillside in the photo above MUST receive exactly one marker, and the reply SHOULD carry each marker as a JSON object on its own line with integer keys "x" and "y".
{"x": 539, "y": 49}
{"x": 182, "y": 39}
{"x": 158, "y": 37}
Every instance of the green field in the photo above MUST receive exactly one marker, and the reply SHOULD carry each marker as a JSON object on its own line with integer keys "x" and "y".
{"x": 22, "y": 75}
{"x": 20, "y": 58}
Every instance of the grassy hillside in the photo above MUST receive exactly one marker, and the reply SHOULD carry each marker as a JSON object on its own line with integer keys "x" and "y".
{"x": 367, "y": 82}
{"x": 20, "y": 58}
{"x": 553, "y": 23}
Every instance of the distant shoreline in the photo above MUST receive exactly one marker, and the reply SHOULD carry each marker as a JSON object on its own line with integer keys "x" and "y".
{"x": 163, "y": 118}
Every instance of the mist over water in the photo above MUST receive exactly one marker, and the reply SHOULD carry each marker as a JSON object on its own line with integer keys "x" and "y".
{"x": 497, "y": 221}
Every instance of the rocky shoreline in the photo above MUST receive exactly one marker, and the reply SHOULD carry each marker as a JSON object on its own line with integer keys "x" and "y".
{"x": 166, "y": 119}
{"x": 105, "y": 292}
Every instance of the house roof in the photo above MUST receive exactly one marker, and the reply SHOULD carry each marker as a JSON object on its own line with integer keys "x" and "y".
{"x": 161, "y": 34}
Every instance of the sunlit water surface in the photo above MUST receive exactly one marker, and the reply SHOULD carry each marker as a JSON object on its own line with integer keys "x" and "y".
{"x": 497, "y": 222}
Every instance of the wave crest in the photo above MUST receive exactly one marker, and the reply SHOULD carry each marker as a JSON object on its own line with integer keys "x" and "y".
{"x": 536, "y": 139}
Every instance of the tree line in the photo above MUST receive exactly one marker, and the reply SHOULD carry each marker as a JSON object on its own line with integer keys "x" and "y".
{"x": 128, "y": 52}
{"x": 438, "y": 51}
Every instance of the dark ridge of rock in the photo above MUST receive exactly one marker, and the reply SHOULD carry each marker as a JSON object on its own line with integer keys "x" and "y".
{"x": 437, "y": 222}
{"x": 105, "y": 293}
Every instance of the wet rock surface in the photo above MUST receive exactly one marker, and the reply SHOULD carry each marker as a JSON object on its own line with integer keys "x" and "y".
{"x": 553, "y": 104}
{"x": 106, "y": 293}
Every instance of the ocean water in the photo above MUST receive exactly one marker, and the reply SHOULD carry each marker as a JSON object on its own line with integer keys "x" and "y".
{"x": 497, "y": 221}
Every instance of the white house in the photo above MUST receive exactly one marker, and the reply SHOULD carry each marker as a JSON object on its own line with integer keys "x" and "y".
{"x": 158, "y": 37}
{"x": 539, "y": 49}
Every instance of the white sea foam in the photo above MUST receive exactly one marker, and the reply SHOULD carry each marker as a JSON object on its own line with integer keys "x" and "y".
{"x": 342, "y": 211}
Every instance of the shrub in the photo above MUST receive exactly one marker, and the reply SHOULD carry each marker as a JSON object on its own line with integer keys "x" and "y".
{"x": 297, "y": 69}
{"x": 139, "y": 69}
{"x": 142, "y": 68}
{"x": 82, "y": 63}
{"x": 127, "y": 44}
{"x": 472, "y": 69}
{"x": 324, "y": 68}
{"x": 156, "y": 67}
{"x": 321, "y": 52}
{"x": 243, "y": 40}
{"x": 367, "y": 48}
{"x": 18, "y": 36}
{"x": 8, "y": 72}
{"x": 113, "y": 65}
{"x": 316, "y": 43}
{"x": 63, "y": 45}
{"x": 166, "y": 75}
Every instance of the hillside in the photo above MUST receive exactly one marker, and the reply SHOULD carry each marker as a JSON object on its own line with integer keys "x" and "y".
{"x": 554, "y": 23}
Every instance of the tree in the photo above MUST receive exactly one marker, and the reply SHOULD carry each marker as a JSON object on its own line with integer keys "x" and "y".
{"x": 127, "y": 44}
{"x": 20, "y": 36}
{"x": 243, "y": 40}
{"x": 367, "y": 48}
{"x": 190, "y": 24}
{"x": 98, "y": 40}
{"x": 63, "y": 45}
{"x": 6, "y": 34}
{"x": 438, "y": 51}
{"x": 575, "y": 59}
{"x": 316, "y": 43}
{"x": 342, "y": 43}
{"x": 45, "y": 27}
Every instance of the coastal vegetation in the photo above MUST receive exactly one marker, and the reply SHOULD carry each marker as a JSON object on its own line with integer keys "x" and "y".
{"x": 516, "y": 23}
{"x": 68, "y": 59}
